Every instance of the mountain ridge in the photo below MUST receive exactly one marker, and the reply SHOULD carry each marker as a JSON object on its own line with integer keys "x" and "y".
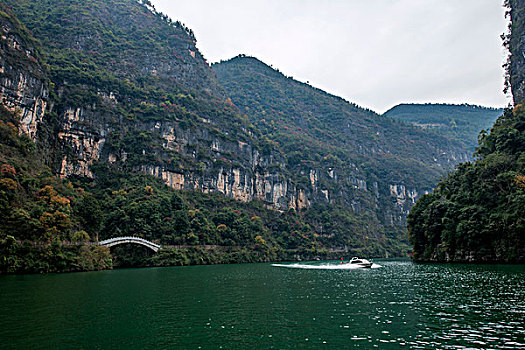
{"x": 125, "y": 102}
{"x": 361, "y": 159}
{"x": 461, "y": 122}
{"x": 335, "y": 115}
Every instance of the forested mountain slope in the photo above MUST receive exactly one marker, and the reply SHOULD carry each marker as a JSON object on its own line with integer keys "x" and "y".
{"x": 476, "y": 214}
{"x": 105, "y": 93}
{"x": 102, "y": 94}
{"x": 340, "y": 151}
{"x": 103, "y": 101}
{"x": 459, "y": 122}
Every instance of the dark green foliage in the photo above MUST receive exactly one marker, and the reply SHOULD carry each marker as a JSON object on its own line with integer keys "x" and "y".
{"x": 321, "y": 132}
{"x": 18, "y": 36}
{"x": 460, "y": 122}
{"x": 476, "y": 214}
{"x": 318, "y": 130}
{"x": 30, "y": 258}
{"x": 128, "y": 68}
{"x": 130, "y": 75}
{"x": 210, "y": 255}
{"x": 38, "y": 212}
{"x": 90, "y": 214}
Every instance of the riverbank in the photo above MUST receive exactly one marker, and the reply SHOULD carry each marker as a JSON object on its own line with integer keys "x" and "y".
{"x": 17, "y": 257}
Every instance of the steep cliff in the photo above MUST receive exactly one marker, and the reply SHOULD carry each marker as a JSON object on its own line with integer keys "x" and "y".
{"x": 132, "y": 89}
{"x": 336, "y": 151}
{"x": 112, "y": 91}
{"x": 516, "y": 43}
{"x": 23, "y": 83}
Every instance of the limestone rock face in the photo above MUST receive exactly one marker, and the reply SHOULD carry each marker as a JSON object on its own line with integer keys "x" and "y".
{"x": 237, "y": 183}
{"x": 157, "y": 108}
{"x": 234, "y": 168}
{"x": 84, "y": 144}
{"x": 216, "y": 163}
{"x": 22, "y": 83}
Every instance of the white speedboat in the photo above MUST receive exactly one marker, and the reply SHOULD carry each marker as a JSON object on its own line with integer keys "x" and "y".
{"x": 360, "y": 262}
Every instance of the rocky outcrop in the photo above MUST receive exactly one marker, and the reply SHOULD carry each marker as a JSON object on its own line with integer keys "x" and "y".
{"x": 403, "y": 195}
{"x": 212, "y": 162}
{"x": 517, "y": 50}
{"x": 237, "y": 169}
{"x": 23, "y": 86}
{"x": 237, "y": 183}
{"x": 83, "y": 144}
{"x": 156, "y": 108}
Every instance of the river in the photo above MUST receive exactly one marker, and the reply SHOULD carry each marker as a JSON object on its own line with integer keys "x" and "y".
{"x": 260, "y": 306}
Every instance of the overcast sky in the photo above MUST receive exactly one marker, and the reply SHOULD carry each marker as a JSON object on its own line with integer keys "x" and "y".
{"x": 376, "y": 53}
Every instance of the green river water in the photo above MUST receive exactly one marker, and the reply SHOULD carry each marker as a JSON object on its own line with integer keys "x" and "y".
{"x": 260, "y": 306}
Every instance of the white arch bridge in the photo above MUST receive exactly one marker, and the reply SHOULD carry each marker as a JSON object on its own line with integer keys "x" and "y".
{"x": 125, "y": 240}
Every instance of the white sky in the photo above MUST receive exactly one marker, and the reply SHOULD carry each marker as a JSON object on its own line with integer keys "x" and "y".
{"x": 376, "y": 53}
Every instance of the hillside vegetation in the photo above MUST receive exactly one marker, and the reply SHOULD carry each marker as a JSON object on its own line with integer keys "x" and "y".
{"x": 476, "y": 214}
{"x": 41, "y": 213}
{"x": 462, "y": 123}
{"x": 374, "y": 167}
{"x": 97, "y": 95}
{"x": 114, "y": 124}
{"x": 310, "y": 124}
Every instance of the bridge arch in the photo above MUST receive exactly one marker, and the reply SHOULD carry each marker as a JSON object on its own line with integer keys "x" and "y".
{"x": 135, "y": 240}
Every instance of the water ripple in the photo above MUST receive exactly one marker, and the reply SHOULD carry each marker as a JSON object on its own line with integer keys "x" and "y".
{"x": 258, "y": 306}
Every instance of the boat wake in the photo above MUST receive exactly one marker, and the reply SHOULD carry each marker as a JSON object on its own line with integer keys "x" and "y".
{"x": 326, "y": 266}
